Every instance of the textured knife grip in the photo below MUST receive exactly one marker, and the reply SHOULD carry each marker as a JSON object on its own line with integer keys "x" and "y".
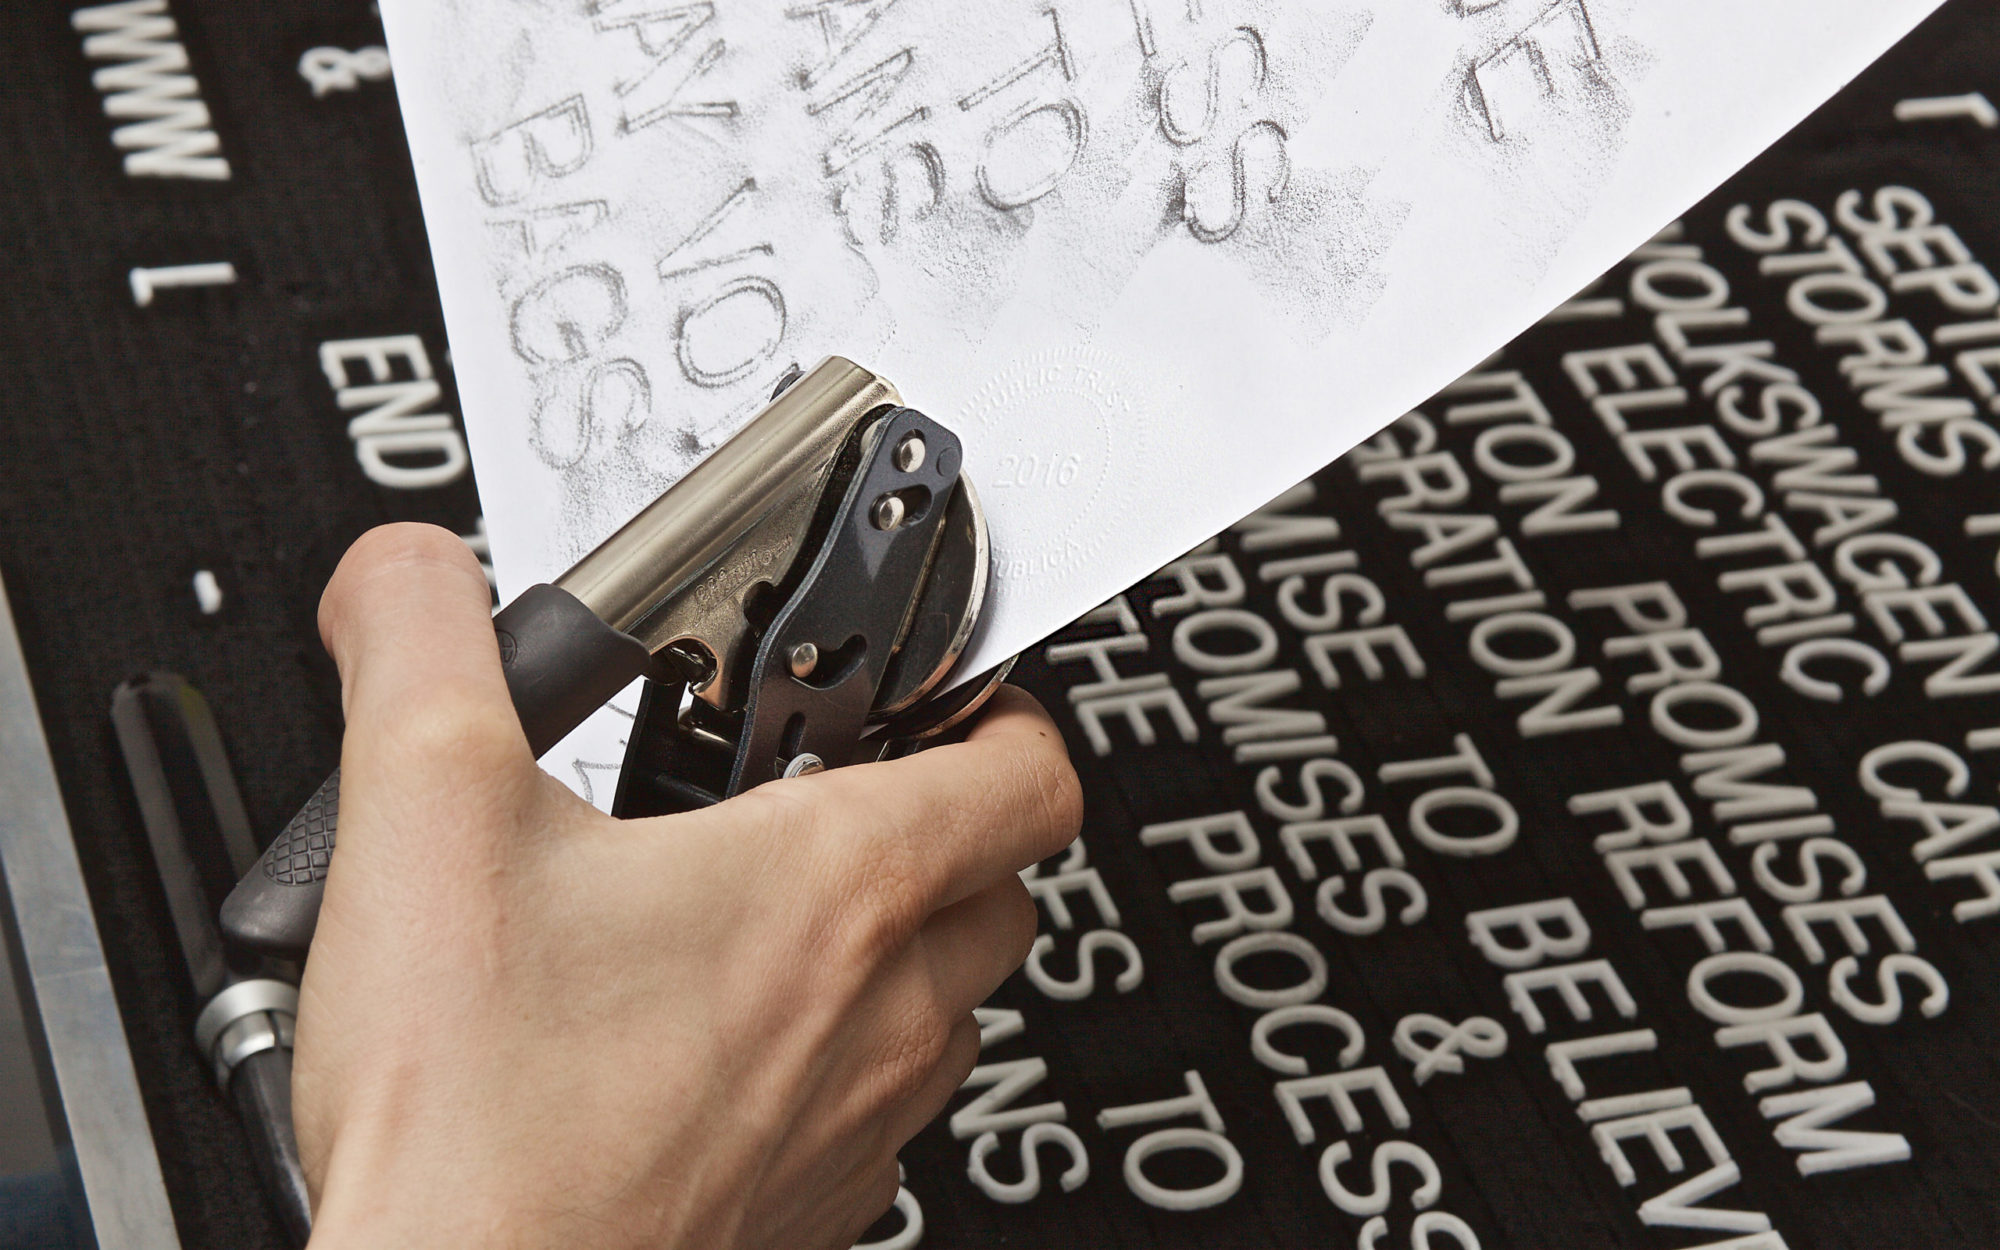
{"x": 561, "y": 663}
{"x": 275, "y": 907}
{"x": 300, "y": 853}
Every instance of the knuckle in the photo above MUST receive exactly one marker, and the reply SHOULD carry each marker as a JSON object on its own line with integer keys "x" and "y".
{"x": 961, "y": 1051}
{"x": 870, "y": 904}
{"x": 874, "y": 872}
{"x": 916, "y": 1048}
{"x": 457, "y": 734}
{"x": 885, "y": 913}
{"x": 1018, "y": 921}
{"x": 882, "y": 1186}
{"x": 780, "y": 812}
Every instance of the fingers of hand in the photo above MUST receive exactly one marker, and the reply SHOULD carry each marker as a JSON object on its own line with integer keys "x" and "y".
{"x": 926, "y": 1040}
{"x": 1015, "y": 765}
{"x": 429, "y": 721}
{"x": 407, "y": 613}
{"x": 407, "y": 621}
{"x": 876, "y": 1196}
{"x": 961, "y": 1053}
{"x": 1012, "y": 710}
{"x": 968, "y": 949}
{"x": 944, "y": 824}
{"x": 976, "y": 943}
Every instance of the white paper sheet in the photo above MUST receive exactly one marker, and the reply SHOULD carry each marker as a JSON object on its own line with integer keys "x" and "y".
{"x": 1153, "y": 260}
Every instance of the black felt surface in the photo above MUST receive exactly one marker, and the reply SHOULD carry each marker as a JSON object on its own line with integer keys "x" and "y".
{"x": 139, "y": 445}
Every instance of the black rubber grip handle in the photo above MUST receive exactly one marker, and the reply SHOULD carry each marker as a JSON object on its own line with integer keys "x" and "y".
{"x": 261, "y": 1086}
{"x": 562, "y": 663}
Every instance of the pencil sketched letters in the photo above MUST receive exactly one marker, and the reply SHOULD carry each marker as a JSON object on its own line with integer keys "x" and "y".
{"x": 1542, "y": 103}
{"x": 548, "y": 144}
{"x": 1150, "y": 258}
{"x": 1084, "y": 137}
{"x": 1550, "y": 64}
{"x": 558, "y": 317}
{"x": 685, "y": 198}
{"x": 656, "y": 91}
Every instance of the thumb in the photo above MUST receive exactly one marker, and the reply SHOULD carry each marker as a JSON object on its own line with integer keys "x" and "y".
{"x": 432, "y": 738}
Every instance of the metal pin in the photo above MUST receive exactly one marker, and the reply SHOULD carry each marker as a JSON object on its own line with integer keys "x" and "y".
{"x": 910, "y": 453}
{"x": 887, "y": 512}
{"x": 805, "y": 658}
{"x": 804, "y": 765}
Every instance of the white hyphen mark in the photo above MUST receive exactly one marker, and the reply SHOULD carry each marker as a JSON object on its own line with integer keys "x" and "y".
{"x": 1944, "y": 107}
{"x": 147, "y": 281}
{"x": 207, "y": 593}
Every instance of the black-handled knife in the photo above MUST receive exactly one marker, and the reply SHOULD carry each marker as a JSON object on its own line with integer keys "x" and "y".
{"x": 201, "y": 842}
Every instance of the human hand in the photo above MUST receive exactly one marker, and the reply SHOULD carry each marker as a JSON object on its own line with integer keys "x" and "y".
{"x": 525, "y": 1024}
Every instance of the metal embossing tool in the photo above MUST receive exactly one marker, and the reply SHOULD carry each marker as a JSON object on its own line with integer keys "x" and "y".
{"x": 800, "y": 600}
{"x": 200, "y": 837}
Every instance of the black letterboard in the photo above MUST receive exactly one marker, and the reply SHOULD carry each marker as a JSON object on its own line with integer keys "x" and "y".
{"x": 1568, "y": 820}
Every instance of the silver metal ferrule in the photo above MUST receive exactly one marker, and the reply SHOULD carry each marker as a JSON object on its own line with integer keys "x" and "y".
{"x": 243, "y": 1019}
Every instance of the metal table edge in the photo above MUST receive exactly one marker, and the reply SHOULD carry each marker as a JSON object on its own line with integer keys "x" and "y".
{"x": 84, "y": 1035}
